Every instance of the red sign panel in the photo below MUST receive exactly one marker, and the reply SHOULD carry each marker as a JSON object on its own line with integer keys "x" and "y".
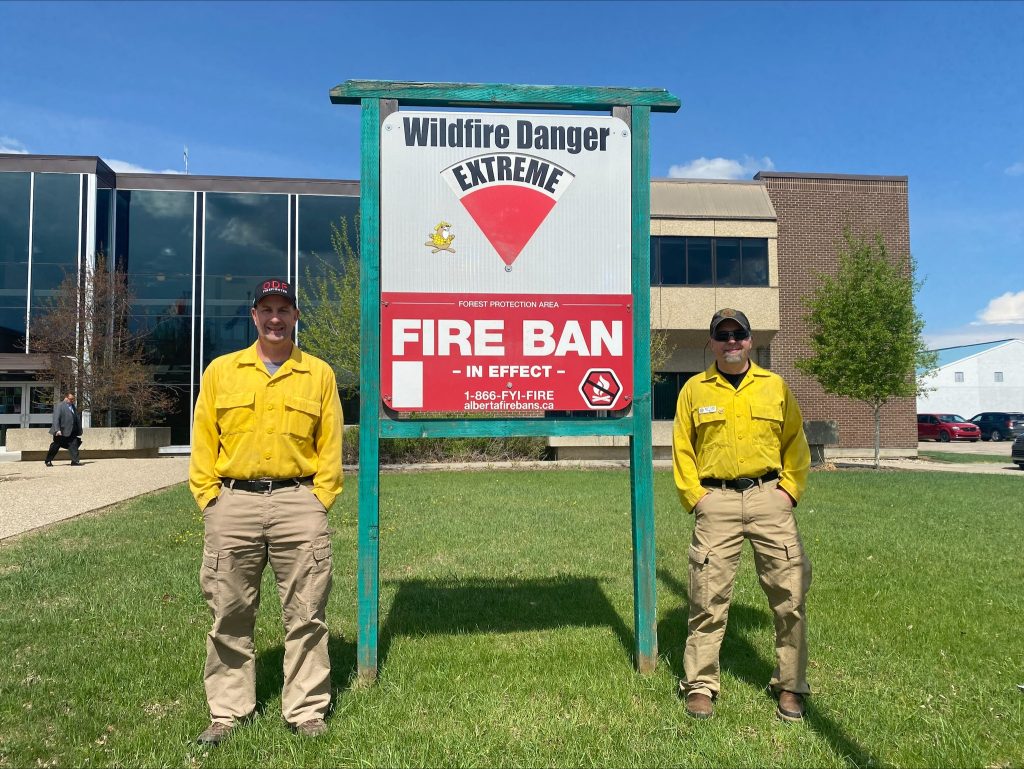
{"x": 506, "y": 353}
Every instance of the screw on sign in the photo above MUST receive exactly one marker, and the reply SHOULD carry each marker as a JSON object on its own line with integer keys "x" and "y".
{"x": 600, "y": 388}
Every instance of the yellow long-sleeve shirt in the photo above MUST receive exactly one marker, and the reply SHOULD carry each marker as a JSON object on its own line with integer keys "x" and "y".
{"x": 725, "y": 432}
{"x": 249, "y": 424}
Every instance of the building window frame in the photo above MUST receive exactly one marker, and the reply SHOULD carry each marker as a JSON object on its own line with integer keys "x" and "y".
{"x": 693, "y": 272}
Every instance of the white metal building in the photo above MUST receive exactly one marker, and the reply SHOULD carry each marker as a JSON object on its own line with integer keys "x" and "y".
{"x": 975, "y": 378}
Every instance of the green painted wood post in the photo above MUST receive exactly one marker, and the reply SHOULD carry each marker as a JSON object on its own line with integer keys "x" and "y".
{"x": 369, "y": 391}
{"x": 641, "y": 473}
{"x": 380, "y": 98}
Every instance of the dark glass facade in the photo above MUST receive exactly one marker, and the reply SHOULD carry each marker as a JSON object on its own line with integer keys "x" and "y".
{"x": 246, "y": 239}
{"x": 192, "y": 252}
{"x": 56, "y": 229}
{"x": 691, "y": 261}
{"x": 15, "y": 192}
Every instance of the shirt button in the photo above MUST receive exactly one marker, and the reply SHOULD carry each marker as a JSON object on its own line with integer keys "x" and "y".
{"x": 266, "y": 456}
{"x": 270, "y": 407}
{"x": 270, "y": 430}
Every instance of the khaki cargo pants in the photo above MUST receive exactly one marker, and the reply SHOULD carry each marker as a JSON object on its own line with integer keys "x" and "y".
{"x": 724, "y": 518}
{"x": 242, "y": 531}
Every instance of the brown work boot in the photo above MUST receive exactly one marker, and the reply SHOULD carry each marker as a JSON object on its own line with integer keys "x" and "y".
{"x": 699, "y": 705}
{"x": 215, "y": 734}
{"x": 314, "y": 727}
{"x": 791, "y": 706}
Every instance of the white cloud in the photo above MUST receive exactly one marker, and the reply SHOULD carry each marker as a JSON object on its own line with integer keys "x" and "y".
{"x": 124, "y": 167}
{"x": 1003, "y": 310}
{"x": 721, "y": 168}
{"x": 11, "y": 145}
{"x": 1017, "y": 169}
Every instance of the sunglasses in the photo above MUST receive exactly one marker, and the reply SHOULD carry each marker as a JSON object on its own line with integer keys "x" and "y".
{"x": 728, "y": 336}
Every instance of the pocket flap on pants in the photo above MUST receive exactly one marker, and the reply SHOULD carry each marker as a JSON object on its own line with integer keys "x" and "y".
{"x": 321, "y": 549}
{"x": 699, "y": 555}
{"x": 210, "y": 560}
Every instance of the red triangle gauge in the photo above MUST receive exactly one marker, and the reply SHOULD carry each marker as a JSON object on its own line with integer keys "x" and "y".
{"x": 509, "y": 195}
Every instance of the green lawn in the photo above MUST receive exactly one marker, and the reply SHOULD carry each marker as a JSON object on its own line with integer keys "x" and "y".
{"x": 953, "y": 457}
{"x": 506, "y": 633}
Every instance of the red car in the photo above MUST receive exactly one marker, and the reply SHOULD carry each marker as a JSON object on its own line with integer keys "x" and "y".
{"x": 946, "y": 428}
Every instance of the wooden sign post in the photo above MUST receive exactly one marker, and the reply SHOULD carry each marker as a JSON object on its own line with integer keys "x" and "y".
{"x": 460, "y": 310}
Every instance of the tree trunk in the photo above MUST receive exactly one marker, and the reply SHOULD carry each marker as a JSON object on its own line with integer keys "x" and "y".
{"x": 878, "y": 434}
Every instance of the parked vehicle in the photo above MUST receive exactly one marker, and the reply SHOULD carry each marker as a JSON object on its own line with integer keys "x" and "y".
{"x": 1017, "y": 453}
{"x": 997, "y": 425}
{"x": 946, "y": 428}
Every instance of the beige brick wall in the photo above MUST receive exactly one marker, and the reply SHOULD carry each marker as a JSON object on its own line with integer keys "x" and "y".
{"x": 812, "y": 212}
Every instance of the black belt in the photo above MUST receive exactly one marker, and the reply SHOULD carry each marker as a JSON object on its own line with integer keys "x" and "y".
{"x": 737, "y": 484}
{"x": 264, "y": 485}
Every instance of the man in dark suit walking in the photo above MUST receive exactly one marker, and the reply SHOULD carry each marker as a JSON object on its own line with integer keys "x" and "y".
{"x": 66, "y": 429}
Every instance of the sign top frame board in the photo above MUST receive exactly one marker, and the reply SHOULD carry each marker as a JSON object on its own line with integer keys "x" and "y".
{"x": 504, "y": 96}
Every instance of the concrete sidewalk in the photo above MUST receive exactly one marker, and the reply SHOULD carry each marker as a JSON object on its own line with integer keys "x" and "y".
{"x": 33, "y": 495}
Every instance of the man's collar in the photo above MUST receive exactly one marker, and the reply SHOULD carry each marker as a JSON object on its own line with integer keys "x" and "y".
{"x": 250, "y": 357}
{"x": 712, "y": 373}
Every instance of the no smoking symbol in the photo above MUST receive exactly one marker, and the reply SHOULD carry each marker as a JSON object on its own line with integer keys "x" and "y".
{"x": 600, "y": 388}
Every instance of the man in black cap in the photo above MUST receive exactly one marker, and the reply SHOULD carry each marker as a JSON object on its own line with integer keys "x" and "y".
{"x": 741, "y": 461}
{"x": 266, "y": 465}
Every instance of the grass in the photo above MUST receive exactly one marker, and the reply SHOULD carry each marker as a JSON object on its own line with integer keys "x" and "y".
{"x": 506, "y": 633}
{"x": 964, "y": 459}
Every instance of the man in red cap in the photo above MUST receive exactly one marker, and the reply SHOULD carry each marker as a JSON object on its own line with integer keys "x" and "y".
{"x": 265, "y": 467}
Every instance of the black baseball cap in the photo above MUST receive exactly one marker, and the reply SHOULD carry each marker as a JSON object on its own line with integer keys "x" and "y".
{"x": 727, "y": 313}
{"x": 274, "y": 287}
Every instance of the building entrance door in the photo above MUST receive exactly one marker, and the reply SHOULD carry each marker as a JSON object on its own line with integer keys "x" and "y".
{"x": 24, "y": 404}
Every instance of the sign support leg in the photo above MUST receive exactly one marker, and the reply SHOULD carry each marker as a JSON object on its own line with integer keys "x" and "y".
{"x": 641, "y": 475}
{"x": 368, "y": 570}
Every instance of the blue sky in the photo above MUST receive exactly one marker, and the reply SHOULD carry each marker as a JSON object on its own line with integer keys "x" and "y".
{"x": 932, "y": 91}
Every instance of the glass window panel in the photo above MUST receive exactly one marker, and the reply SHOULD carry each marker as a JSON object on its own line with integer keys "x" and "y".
{"x": 246, "y": 241}
{"x": 55, "y": 228}
{"x": 698, "y": 261}
{"x": 727, "y": 262}
{"x": 663, "y": 396}
{"x": 155, "y": 242}
{"x": 15, "y": 190}
{"x": 655, "y": 240}
{"x": 317, "y": 214}
{"x": 672, "y": 258}
{"x": 104, "y": 221}
{"x": 754, "y": 262}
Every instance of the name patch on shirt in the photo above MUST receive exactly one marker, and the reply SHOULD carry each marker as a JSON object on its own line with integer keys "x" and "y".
{"x": 709, "y": 410}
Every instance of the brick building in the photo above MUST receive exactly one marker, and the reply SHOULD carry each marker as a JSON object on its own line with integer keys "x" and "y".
{"x": 759, "y": 246}
{"x": 813, "y": 210}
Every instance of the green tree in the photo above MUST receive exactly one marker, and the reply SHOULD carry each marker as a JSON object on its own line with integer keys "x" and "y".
{"x": 91, "y": 349}
{"x": 865, "y": 331}
{"x": 329, "y": 300}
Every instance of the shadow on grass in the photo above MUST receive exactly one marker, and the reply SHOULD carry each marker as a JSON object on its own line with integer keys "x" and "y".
{"x": 499, "y": 606}
{"x": 270, "y": 670}
{"x": 741, "y": 659}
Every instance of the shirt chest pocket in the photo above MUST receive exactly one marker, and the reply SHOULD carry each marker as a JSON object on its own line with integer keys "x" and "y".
{"x": 236, "y": 412}
{"x": 766, "y": 423}
{"x": 711, "y": 426}
{"x": 301, "y": 416}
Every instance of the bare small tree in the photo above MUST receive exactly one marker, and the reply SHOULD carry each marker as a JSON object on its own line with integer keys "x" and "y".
{"x": 329, "y": 299}
{"x": 92, "y": 351}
